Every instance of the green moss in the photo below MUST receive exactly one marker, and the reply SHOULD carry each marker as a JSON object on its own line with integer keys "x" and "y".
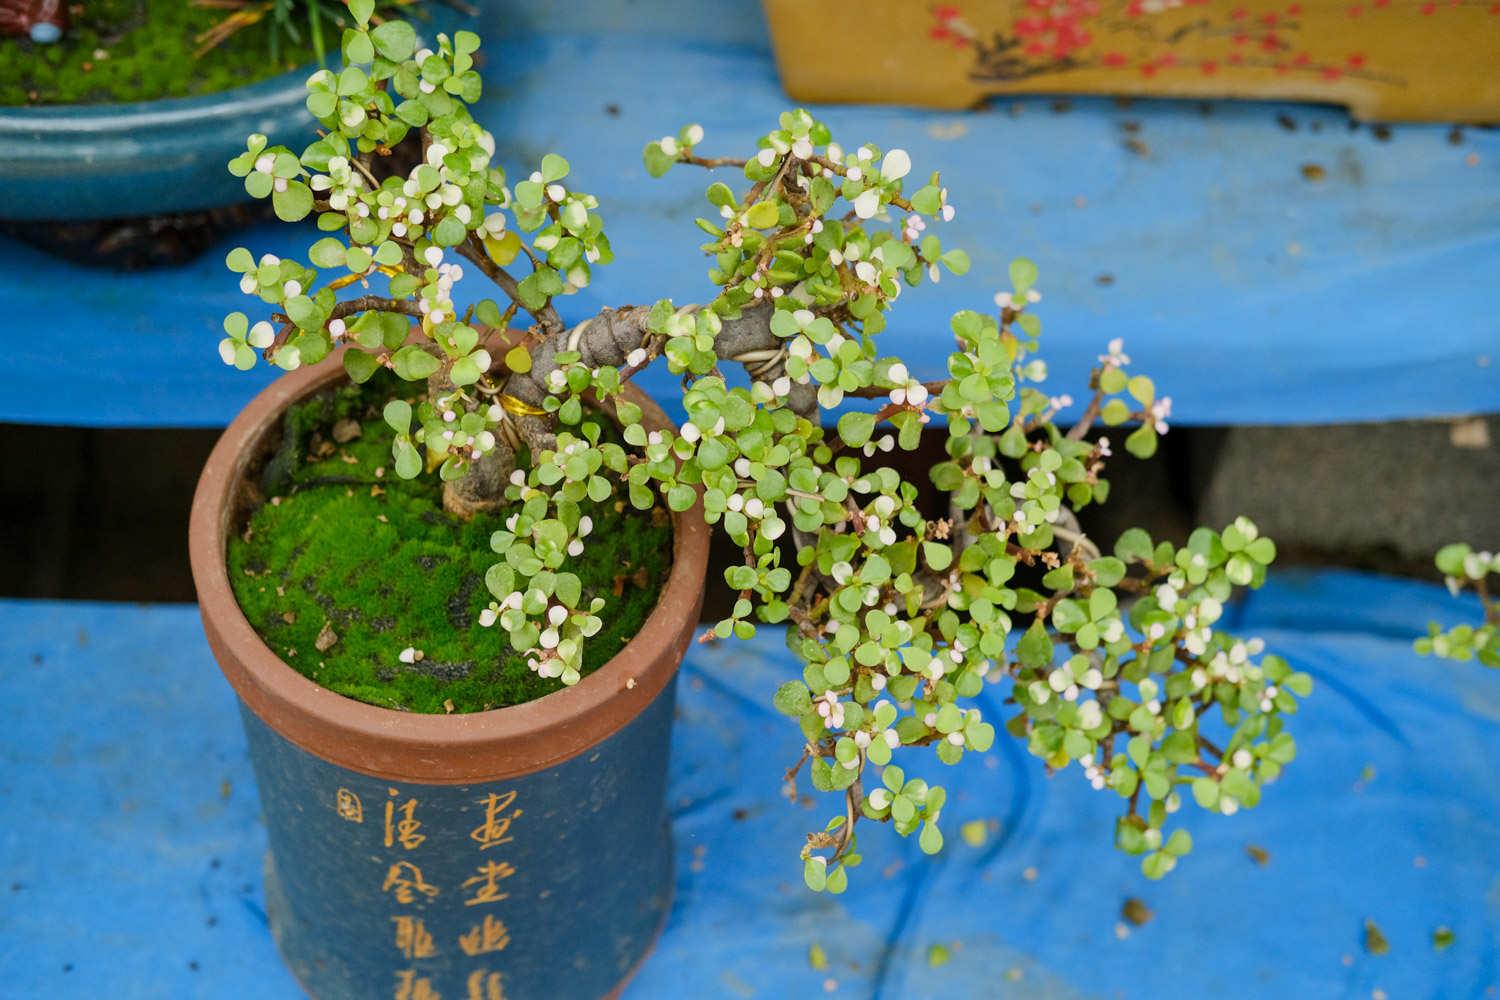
{"x": 147, "y": 48}
{"x": 345, "y": 543}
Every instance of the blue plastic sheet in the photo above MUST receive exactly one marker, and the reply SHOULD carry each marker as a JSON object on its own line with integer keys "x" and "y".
{"x": 1252, "y": 294}
{"x": 132, "y": 848}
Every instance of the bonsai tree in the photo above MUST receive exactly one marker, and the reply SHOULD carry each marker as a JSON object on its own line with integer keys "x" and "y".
{"x": 1465, "y": 569}
{"x": 899, "y": 612}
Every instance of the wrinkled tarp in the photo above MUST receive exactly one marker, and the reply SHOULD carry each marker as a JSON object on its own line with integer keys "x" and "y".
{"x": 132, "y": 847}
{"x": 1250, "y": 293}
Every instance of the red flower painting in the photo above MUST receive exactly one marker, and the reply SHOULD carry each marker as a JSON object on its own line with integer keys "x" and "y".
{"x": 1058, "y": 36}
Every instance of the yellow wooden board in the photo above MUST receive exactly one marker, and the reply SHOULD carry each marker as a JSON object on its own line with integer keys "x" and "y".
{"x": 1391, "y": 60}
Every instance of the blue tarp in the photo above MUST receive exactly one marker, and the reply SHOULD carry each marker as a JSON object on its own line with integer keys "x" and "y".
{"x": 131, "y": 846}
{"x": 1252, "y": 294}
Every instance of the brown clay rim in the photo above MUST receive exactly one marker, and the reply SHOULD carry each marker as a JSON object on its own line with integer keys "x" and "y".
{"x": 408, "y": 746}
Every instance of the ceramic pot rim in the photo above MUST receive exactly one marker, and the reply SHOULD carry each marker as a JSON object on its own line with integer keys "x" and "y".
{"x": 409, "y": 746}
{"x": 283, "y": 89}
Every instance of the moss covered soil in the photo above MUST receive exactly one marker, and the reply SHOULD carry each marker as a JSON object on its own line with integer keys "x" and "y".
{"x": 140, "y": 50}
{"x": 345, "y": 553}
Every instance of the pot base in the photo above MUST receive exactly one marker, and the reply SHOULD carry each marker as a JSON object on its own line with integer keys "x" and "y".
{"x": 137, "y": 244}
{"x": 554, "y": 884}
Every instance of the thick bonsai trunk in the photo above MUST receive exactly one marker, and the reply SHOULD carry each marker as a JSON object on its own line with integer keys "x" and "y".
{"x": 483, "y": 487}
{"x": 609, "y": 339}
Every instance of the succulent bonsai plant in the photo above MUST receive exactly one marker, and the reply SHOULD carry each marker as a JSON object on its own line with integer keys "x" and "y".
{"x": 1465, "y": 569}
{"x": 899, "y": 612}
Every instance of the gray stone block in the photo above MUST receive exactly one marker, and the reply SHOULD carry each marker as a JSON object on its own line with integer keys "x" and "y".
{"x": 1383, "y": 496}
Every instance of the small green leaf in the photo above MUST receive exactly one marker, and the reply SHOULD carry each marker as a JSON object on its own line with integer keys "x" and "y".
{"x": 394, "y": 40}
{"x": 762, "y": 215}
{"x": 855, "y": 428}
{"x": 323, "y": 103}
{"x": 939, "y": 556}
{"x": 1143, "y": 389}
{"x": 397, "y": 414}
{"x": 554, "y": 168}
{"x": 518, "y": 359}
{"x": 352, "y": 80}
{"x": 657, "y": 162}
{"x": 815, "y": 874}
{"x": 359, "y": 365}
{"x": 956, "y": 261}
{"x": 449, "y": 232}
{"x": 327, "y": 252}
{"x": 414, "y": 364}
{"x": 681, "y": 497}
{"x": 720, "y": 195}
{"x": 1142, "y": 441}
{"x": 1450, "y": 559}
{"x": 357, "y": 49}
{"x": 465, "y": 370}
{"x": 1035, "y": 647}
{"x": 294, "y": 203}
{"x": 1022, "y": 274}
{"x": 408, "y": 462}
{"x": 792, "y": 698}
{"x": 1179, "y": 843}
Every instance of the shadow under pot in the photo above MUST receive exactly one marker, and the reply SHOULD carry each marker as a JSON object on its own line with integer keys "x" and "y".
{"x": 518, "y": 852}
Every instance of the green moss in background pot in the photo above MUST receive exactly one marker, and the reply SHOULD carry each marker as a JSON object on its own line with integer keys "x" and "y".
{"x": 347, "y": 566}
{"x": 118, "y": 51}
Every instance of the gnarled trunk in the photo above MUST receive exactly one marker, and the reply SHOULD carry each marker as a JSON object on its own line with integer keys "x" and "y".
{"x": 608, "y": 339}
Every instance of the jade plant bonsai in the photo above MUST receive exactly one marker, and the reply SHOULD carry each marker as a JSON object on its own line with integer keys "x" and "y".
{"x": 1111, "y": 658}
{"x": 1465, "y": 569}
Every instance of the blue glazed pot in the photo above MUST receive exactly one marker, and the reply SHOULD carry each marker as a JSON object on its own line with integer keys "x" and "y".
{"x": 113, "y": 161}
{"x": 522, "y": 852}
{"x": 554, "y": 883}
{"x": 105, "y": 161}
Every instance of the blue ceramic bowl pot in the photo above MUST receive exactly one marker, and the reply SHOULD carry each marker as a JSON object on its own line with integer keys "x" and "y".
{"x": 115, "y": 161}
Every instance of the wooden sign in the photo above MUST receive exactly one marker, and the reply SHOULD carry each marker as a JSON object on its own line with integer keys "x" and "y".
{"x": 1434, "y": 60}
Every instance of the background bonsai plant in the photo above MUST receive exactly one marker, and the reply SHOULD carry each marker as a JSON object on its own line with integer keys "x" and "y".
{"x": 899, "y": 613}
{"x": 134, "y": 50}
{"x": 1465, "y": 569}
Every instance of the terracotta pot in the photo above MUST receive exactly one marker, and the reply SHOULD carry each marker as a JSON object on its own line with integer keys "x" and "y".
{"x": 518, "y": 852}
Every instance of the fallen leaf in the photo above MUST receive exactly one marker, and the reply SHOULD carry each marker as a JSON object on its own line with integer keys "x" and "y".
{"x": 975, "y": 832}
{"x": 1375, "y": 941}
{"x": 326, "y": 638}
{"x": 1136, "y": 911}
